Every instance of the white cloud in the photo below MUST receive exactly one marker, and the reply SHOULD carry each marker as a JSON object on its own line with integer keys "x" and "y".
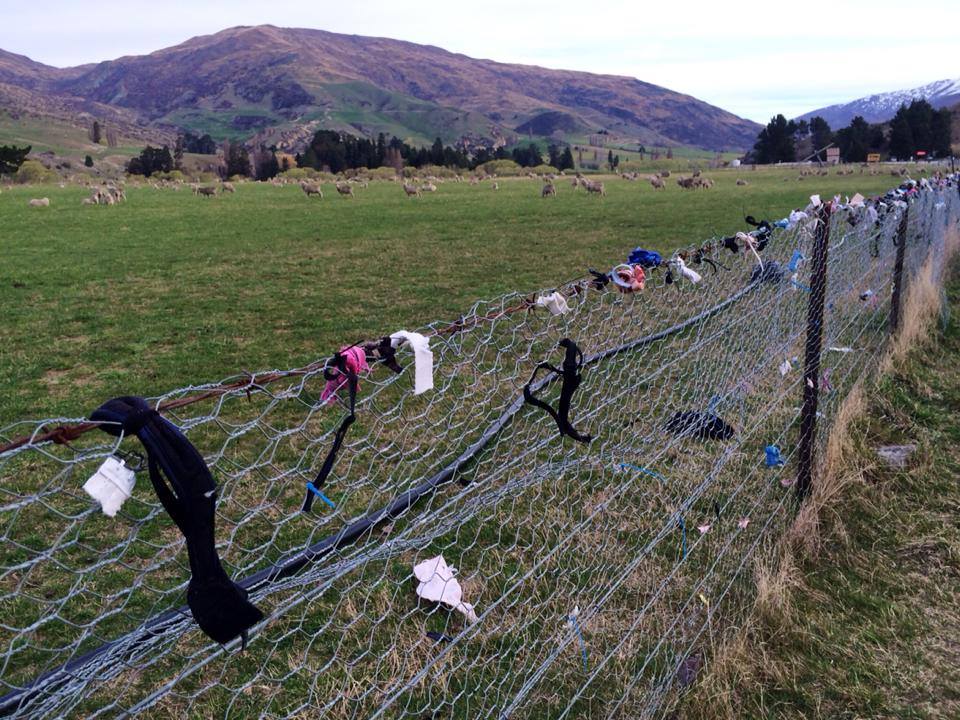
{"x": 753, "y": 58}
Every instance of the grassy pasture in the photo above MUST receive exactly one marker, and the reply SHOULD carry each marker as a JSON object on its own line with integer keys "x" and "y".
{"x": 59, "y": 137}
{"x": 171, "y": 288}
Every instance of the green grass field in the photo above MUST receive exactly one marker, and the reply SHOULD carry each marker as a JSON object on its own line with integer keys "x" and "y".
{"x": 170, "y": 289}
{"x": 868, "y": 628}
{"x": 60, "y": 137}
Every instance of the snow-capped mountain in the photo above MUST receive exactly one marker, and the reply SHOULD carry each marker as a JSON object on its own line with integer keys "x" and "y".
{"x": 883, "y": 106}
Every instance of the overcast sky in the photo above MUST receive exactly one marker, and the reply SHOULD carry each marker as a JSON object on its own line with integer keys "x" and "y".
{"x": 752, "y": 58}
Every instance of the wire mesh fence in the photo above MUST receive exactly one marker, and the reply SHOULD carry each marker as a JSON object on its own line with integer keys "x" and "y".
{"x": 599, "y": 573}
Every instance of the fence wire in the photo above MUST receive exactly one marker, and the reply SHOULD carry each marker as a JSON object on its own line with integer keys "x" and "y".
{"x": 600, "y": 573}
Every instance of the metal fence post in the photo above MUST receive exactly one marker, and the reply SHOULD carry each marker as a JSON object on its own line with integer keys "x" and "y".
{"x": 814, "y": 342}
{"x": 898, "y": 272}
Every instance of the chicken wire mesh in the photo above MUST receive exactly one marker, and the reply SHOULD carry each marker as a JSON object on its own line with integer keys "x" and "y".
{"x": 600, "y": 573}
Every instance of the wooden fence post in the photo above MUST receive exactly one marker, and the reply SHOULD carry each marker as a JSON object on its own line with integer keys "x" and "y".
{"x": 898, "y": 272}
{"x": 814, "y": 342}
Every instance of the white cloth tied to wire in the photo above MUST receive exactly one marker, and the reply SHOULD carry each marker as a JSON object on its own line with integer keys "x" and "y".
{"x": 438, "y": 584}
{"x": 691, "y": 275}
{"x": 748, "y": 242}
{"x": 422, "y": 358}
{"x": 110, "y": 485}
{"x": 556, "y": 303}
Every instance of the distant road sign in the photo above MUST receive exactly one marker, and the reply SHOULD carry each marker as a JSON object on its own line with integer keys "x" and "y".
{"x": 921, "y": 153}
{"x": 833, "y": 155}
{"x": 873, "y": 157}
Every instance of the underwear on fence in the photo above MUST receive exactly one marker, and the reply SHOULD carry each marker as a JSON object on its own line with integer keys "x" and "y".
{"x": 629, "y": 278}
{"x": 645, "y": 258}
{"x": 345, "y": 367}
{"x": 219, "y": 605}
{"x": 769, "y": 273}
{"x": 349, "y": 361}
{"x": 570, "y": 374}
{"x": 701, "y": 425}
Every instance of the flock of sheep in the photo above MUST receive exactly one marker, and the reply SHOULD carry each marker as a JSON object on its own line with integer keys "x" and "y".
{"x": 108, "y": 195}
{"x": 113, "y": 193}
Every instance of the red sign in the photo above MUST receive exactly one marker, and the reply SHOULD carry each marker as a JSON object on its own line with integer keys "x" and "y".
{"x": 921, "y": 153}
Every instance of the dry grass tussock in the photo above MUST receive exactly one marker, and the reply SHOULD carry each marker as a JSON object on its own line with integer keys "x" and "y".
{"x": 745, "y": 656}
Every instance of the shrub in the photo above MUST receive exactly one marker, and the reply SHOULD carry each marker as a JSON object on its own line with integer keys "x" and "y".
{"x": 33, "y": 172}
{"x": 544, "y": 170}
{"x": 382, "y": 173}
{"x": 500, "y": 167}
{"x": 172, "y": 176}
{"x": 436, "y": 171}
{"x": 298, "y": 173}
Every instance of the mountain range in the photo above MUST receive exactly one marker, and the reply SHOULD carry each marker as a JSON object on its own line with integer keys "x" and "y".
{"x": 279, "y": 85}
{"x": 883, "y": 106}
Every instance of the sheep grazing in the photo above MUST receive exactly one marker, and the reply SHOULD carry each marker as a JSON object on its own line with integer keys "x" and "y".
{"x": 695, "y": 183}
{"x": 310, "y": 188}
{"x": 595, "y": 188}
{"x": 206, "y": 191}
{"x": 657, "y": 183}
{"x": 40, "y": 202}
{"x": 411, "y": 190}
{"x": 111, "y": 195}
{"x": 345, "y": 189}
{"x": 228, "y": 187}
{"x": 429, "y": 187}
{"x": 741, "y": 181}
{"x": 548, "y": 189}
{"x": 575, "y": 183}
{"x": 664, "y": 173}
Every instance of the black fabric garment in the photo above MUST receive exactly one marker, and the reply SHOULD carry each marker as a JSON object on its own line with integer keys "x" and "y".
{"x": 771, "y": 273}
{"x": 219, "y": 606}
{"x": 701, "y": 425}
{"x": 600, "y": 280}
{"x": 340, "y": 365}
{"x": 385, "y": 352}
{"x": 570, "y": 373}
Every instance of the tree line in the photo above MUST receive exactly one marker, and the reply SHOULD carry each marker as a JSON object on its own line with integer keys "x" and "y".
{"x": 336, "y": 152}
{"x": 917, "y": 127}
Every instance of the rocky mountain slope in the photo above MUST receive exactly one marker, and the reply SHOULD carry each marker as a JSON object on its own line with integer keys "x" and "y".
{"x": 276, "y": 82}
